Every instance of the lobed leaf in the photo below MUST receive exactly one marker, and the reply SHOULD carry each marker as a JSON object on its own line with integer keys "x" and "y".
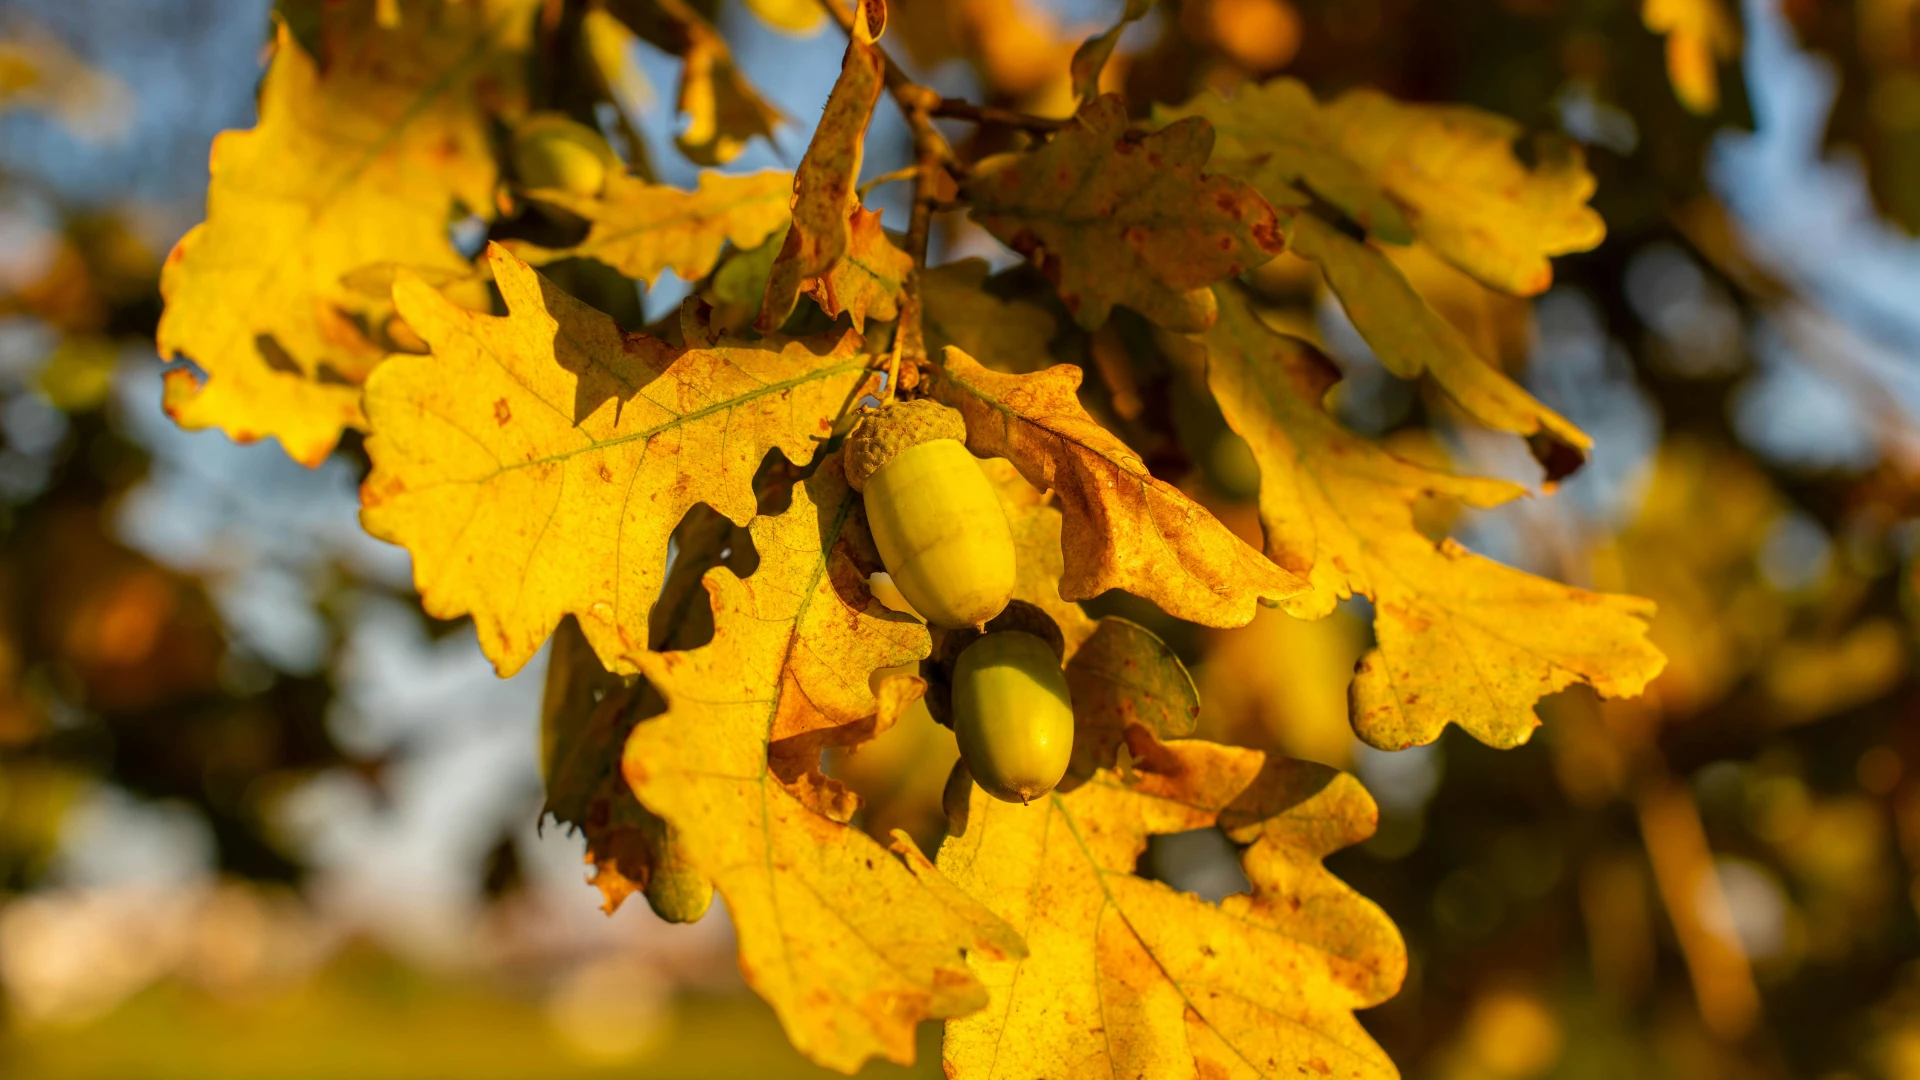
{"x": 360, "y": 157}
{"x": 1409, "y": 337}
{"x": 536, "y": 463}
{"x": 850, "y": 947}
{"x": 1123, "y": 528}
{"x": 823, "y": 194}
{"x": 1115, "y": 218}
{"x": 641, "y": 229}
{"x": 869, "y": 277}
{"x": 1005, "y": 335}
{"x": 1459, "y": 639}
{"x": 1127, "y": 977}
{"x": 1445, "y": 172}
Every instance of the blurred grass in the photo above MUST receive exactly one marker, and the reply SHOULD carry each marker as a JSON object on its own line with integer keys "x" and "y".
{"x": 368, "y": 1017}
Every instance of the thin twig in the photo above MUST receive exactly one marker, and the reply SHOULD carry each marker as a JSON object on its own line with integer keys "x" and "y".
{"x": 927, "y": 148}
{"x": 961, "y": 109}
{"x": 907, "y": 173}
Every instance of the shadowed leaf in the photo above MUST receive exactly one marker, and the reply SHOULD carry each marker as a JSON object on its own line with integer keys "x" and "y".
{"x": 535, "y": 464}
{"x": 1459, "y": 639}
{"x": 850, "y": 947}
{"x": 360, "y": 157}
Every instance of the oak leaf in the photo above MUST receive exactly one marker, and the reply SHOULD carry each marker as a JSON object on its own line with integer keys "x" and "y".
{"x": 1112, "y": 217}
{"x": 1700, "y": 34}
{"x": 850, "y": 947}
{"x": 360, "y": 157}
{"x": 641, "y": 229}
{"x": 535, "y": 464}
{"x": 1409, "y": 338}
{"x": 867, "y": 279}
{"x": 723, "y": 111}
{"x": 1447, "y": 172}
{"x": 823, "y": 195}
{"x": 1124, "y": 529}
{"x": 1009, "y": 335}
{"x": 1127, "y": 977}
{"x": 1459, "y": 638}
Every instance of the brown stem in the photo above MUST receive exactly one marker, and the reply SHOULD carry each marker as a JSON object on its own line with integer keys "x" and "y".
{"x": 960, "y": 109}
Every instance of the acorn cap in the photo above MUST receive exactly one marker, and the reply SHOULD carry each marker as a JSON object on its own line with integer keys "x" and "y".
{"x": 898, "y": 426}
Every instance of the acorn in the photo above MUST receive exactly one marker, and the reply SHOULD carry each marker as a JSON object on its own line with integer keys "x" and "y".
{"x": 552, "y": 151}
{"x": 1012, "y": 715}
{"x": 934, "y": 515}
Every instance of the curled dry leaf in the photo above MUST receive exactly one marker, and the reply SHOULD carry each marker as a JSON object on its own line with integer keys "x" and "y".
{"x": 640, "y": 229}
{"x": 1446, "y": 172}
{"x": 1112, "y": 217}
{"x": 1124, "y": 529}
{"x": 867, "y": 280}
{"x": 724, "y": 112}
{"x": 850, "y": 947}
{"x": 361, "y": 156}
{"x": 1090, "y": 59}
{"x": 823, "y": 195}
{"x": 1127, "y": 977}
{"x": 1410, "y": 337}
{"x": 1459, "y": 638}
{"x": 535, "y": 464}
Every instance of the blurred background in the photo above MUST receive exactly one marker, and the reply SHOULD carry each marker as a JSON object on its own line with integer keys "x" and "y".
{"x": 259, "y": 817}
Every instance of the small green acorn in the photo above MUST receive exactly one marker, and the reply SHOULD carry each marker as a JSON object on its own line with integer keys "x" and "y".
{"x": 553, "y": 151}
{"x": 1012, "y": 715}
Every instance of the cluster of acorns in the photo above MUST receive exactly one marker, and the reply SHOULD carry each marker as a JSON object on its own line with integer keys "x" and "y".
{"x": 940, "y": 531}
{"x": 949, "y": 553}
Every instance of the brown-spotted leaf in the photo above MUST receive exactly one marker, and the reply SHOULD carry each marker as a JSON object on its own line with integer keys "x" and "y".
{"x": 361, "y": 156}
{"x": 1127, "y": 977}
{"x": 1004, "y": 334}
{"x": 850, "y": 947}
{"x": 1112, "y": 217}
{"x": 823, "y": 193}
{"x": 1459, "y": 639}
{"x": 536, "y": 463}
{"x": 867, "y": 280}
{"x": 641, "y": 229}
{"x": 1124, "y": 529}
{"x": 1448, "y": 172}
{"x": 1410, "y": 337}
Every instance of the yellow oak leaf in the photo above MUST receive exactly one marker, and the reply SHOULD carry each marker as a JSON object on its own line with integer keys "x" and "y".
{"x": 1124, "y": 529}
{"x": 641, "y": 229}
{"x": 1447, "y": 172}
{"x": 535, "y": 464}
{"x": 360, "y": 157}
{"x": 1409, "y": 337}
{"x": 850, "y": 947}
{"x": 1004, "y": 334}
{"x": 724, "y": 112}
{"x": 823, "y": 195}
{"x": 1458, "y": 638}
{"x": 1038, "y": 563}
{"x": 1700, "y": 34}
{"x": 1113, "y": 217}
{"x": 793, "y": 16}
{"x": 1128, "y": 977}
{"x": 867, "y": 279}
